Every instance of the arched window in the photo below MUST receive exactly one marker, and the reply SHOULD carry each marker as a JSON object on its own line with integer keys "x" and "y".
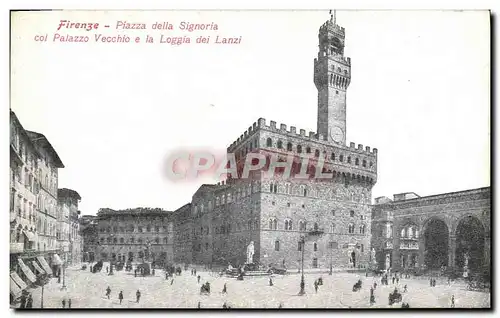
{"x": 288, "y": 225}
{"x": 315, "y": 246}
{"x": 308, "y": 150}
{"x": 299, "y": 149}
{"x": 333, "y": 157}
{"x": 316, "y": 153}
{"x": 341, "y": 158}
{"x": 275, "y": 188}
{"x": 280, "y": 144}
{"x": 364, "y": 163}
{"x": 289, "y": 146}
{"x": 115, "y": 240}
{"x": 109, "y": 239}
{"x": 165, "y": 240}
{"x": 277, "y": 245}
{"x": 316, "y": 227}
{"x": 271, "y": 187}
{"x": 332, "y": 228}
{"x": 403, "y": 232}
{"x": 351, "y": 213}
{"x": 275, "y": 224}
{"x": 356, "y": 162}
{"x": 349, "y": 159}
{"x": 148, "y": 228}
{"x": 351, "y": 228}
{"x": 270, "y": 224}
{"x": 132, "y": 240}
{"x": 362, "y": 229}
{"x": 157, "y": 240}
{"x": 304, "y": 192}
{"x": 269, "y": 142}
{"x": 302, "y": 225}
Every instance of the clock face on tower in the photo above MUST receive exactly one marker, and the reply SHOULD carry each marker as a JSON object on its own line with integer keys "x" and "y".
{"x": 337, "y": 134}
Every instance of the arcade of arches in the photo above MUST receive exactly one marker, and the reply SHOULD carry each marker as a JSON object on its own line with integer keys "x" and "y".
{"x": 438, "y": 247}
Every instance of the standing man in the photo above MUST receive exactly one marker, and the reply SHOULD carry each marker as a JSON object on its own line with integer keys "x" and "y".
{"x": 138, "y": 296}
{"x": 69, "y": 303}
{"x": 108, "y": 292}
{"x": 452, "y": 301}
{"x": 29, "y": 302}
{"x": 120, "y": 296}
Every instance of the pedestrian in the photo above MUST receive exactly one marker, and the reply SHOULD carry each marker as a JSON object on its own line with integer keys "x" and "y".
{"x": 375, "y": 285}
{"x": 108, "y": 291}
{"x": 29, "y": 302}
{"x": 120, "y": 296}
{"x": 452, "y": 301}
{"x": 280, "y": 306}
{"x": 172, "y": 281}
{"x": 431, "y": 282}
{"x": 23, "y": 301}
{"x": 153, "y": 272}
{"x": 135, "y": 272}
{"x": 224, "y": 305}
{"x": 393, "y": 279}
{"x": 69, "y": 303}
{"x": 224, "y": 290}
{"x": 405, "y": 289}
{"x": 271, "y": 281}
{"x": 64, "y": 303}
{"x": 316, "y": 286}
{"x": 199, "y": 303}
{"x": 397, "y": 280}
{"x": 138, "y": 296}
{"x": 199, "y": 277}
{"x": 90, "y": 268}
{"x": 195, "y": 271}
{"x": 107, "y": 269}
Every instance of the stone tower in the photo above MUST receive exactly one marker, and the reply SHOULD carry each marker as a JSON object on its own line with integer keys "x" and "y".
{"x": 332, "y": 75}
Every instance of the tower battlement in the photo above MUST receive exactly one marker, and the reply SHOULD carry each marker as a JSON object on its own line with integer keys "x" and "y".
{"x": 311, "y": 136}
{"x": 330, "y": 26}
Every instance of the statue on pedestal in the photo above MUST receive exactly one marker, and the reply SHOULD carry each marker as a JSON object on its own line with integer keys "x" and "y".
{"x": 250, "y": 252}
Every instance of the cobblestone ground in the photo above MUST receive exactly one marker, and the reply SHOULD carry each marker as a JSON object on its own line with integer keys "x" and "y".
{"x": 87, "y": 290}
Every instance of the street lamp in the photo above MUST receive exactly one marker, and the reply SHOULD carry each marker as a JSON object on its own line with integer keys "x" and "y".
{"x": 64, "y": 276}
{"x": 302, "y": 282}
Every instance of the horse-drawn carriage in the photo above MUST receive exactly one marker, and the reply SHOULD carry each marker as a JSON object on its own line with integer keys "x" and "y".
{"x": 205, "y": 289}
{"x": 395, "y": 297}
{"x": 97, "y": 267}
{"x": 357, "y": 286}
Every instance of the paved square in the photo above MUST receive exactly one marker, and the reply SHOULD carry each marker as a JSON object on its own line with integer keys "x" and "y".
{"x": 87, "y": 290}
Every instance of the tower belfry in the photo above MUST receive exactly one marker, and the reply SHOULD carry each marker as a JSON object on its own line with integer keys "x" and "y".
{"x": 332, "y": 75}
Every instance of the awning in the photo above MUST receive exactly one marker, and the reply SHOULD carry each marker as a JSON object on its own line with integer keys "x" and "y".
{"x": 29, "y": 235}
{"x": 44, "y": 264}
{"x": 38, "y": 268}
{"x": 14, "y": 289}
{"x": 18, "y": 280}
{"x": 27, "y": 271}
{"x": 57, "y": 260}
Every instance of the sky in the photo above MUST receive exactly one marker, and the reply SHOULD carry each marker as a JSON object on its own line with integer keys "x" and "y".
{"x": 419, "y": 93}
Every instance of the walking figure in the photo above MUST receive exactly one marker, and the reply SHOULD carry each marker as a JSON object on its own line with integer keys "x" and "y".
{"x": 397, "y": 280}
{"x": 135, "y": 272}
{"x": 199, "y": 303}
{"x": 29, "y": 302}
{"x": 107, "y": 269}
{"x": 405, "y": 289}
{"x": 138, "y": 296}
{"x": 270, "y": 281}
{"x": 69, "y": 303}
{"x": 375, "y": 285}
{"x": 64, "y": 303}
{"x": 224, "y": 290}
{"x": 172, "y": 281}
{"x": 199, "y": 277}
{"x": 372, "y": 297}
{"x": 316, "y": 286}
{"x": 393, "y": 279}
{"x": 280, "y": 306}
{"x": 452, "y": 301}
{"x": 108, "y": 291}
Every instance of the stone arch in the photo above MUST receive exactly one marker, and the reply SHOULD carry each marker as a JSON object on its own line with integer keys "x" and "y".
{"x": 469, "y": 234}
{"x": 435, "y": 235}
